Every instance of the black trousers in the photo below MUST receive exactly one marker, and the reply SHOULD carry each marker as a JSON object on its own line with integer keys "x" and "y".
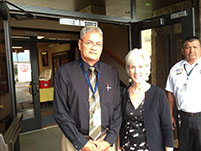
{"x": 189, "y": 132}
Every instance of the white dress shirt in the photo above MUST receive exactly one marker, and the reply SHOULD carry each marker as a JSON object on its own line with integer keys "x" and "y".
{"x": 186, "y": 85}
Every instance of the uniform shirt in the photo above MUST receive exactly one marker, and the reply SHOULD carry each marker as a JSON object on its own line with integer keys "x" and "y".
{"x": 71, "y": 106}
{"x": 186, "y": 89}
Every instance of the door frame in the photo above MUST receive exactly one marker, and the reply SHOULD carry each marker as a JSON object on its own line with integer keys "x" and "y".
{"x": 32, "y": 123}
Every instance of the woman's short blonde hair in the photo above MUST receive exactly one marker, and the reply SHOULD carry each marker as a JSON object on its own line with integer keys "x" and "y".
{"x": 134, "y": 56}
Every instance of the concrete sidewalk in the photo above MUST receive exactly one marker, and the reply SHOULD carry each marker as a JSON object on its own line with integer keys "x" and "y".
{"x": 45, "y": 139}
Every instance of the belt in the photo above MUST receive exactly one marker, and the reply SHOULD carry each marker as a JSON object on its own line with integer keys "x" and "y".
{"x": 189, "y": 114}
{"x": 100, "y": 136}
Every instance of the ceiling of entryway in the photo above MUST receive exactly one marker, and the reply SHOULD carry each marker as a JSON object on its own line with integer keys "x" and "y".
{"x": 154, "y": 4}
{"x": 115, "y": 6}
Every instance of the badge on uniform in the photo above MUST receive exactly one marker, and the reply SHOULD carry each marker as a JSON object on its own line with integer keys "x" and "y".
{"x": 184, "y": 88}
{"x": 97, "y": 117}
{"x": 179, "y": 71}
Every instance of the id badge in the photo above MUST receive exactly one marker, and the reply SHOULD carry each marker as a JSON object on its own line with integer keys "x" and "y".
{"x": 96, "y": 117}
{"x": 184, "y": 88}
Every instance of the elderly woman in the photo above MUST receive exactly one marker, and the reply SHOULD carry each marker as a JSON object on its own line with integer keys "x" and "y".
{"x": 146, "y": 117}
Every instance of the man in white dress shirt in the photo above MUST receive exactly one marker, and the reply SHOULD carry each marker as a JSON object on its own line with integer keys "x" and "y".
{"x": 184, "y": 88}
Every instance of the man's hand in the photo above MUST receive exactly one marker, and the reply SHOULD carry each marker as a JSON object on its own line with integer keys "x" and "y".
{"x": 173, "y": 123}
{"x": 102, "y": 145}
{"x": 90, "y": 146}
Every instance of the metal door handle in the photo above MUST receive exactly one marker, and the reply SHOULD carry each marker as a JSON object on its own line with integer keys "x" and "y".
{"x": 34, "y": 91}
{"x": 33, "y": 88}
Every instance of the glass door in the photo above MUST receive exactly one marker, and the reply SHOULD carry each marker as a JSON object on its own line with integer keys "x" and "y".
{"x": 26, "y": 83}
{"x": 164, "y": 46}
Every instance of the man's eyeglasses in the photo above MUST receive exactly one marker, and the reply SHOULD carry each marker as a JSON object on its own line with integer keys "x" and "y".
{"x": 90, "y": 44}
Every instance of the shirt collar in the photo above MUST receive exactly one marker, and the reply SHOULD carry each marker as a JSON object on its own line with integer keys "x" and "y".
{"x": 198, "y": 62}
{"x": 86, "y": 66}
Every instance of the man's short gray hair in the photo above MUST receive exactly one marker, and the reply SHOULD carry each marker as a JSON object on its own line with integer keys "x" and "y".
{"x": 135, "y": 55}
{"x": 90, "y": 29}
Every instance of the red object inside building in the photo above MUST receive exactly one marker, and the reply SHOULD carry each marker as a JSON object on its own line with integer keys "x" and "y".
{"x": 44, "y": 84}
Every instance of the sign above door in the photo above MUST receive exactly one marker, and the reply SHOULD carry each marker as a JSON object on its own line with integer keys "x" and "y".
{"x": 77, "y": 22}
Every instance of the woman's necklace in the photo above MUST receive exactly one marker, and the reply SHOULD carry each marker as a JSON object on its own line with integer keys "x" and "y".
{"x": 136, "y": 96}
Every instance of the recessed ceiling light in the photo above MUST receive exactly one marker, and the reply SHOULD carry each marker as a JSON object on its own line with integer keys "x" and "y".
{"x": 147, "y": 4}
{"x": 40, "y": 37}
{"x": 16, "y": 47}
{"x": 44, "y": 52}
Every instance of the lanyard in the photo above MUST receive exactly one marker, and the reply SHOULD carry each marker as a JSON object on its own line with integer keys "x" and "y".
{"x": 188, "y": 74}
{"x": 87, "y": 78}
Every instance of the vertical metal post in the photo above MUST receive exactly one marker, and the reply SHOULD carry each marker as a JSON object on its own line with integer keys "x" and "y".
{"x": 9, "y": 59}
{"x": 197, "y": 17}
{"x": 7, "y": 36}
{"x": 136, "y": 35}
{"x": 133, "y": 9}
{"x": 188, "y": 25}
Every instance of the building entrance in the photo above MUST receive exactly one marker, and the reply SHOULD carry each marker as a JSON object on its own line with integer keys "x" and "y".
{"x": 26, "y": 83}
